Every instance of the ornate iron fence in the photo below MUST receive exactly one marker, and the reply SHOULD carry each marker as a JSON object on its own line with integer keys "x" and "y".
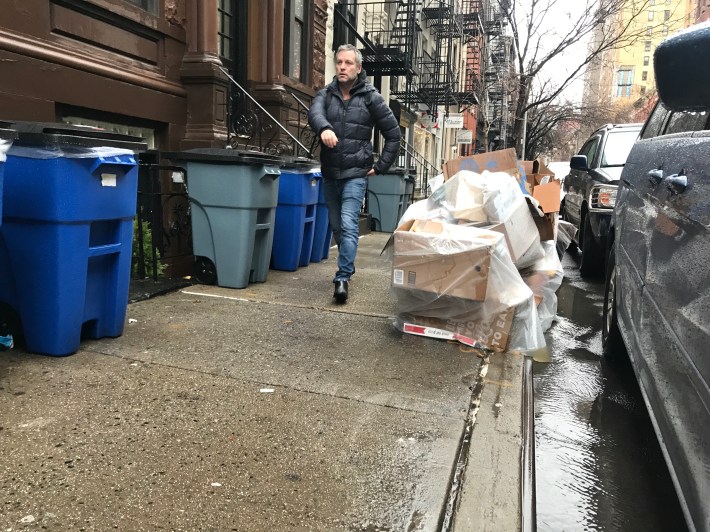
{"x": 252, "y": 127}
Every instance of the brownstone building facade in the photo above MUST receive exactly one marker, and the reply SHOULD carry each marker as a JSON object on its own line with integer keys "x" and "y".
{"x": 156, "y": 65}
{"x": 163, "y": 70}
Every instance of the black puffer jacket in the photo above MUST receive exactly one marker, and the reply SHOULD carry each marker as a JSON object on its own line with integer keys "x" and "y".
{"x": 352, "y": 124}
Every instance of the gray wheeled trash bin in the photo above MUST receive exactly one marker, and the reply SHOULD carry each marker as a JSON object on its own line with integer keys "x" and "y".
{"x": 233, "y": 196}
{"x": 386, "y": 197}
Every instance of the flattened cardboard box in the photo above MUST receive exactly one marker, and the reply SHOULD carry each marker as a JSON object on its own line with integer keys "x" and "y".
{"x": 494, "y": 161}
{"x": 417, "y": 265}
{"x": 493, "y": 334}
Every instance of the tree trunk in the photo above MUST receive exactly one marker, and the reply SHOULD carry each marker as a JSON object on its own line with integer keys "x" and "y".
{"x": 521, "y": 103}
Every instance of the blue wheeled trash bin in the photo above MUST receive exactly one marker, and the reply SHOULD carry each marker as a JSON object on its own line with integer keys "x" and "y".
{"x": 7, "y": 135}
{"x": 294, "y": 228}
{"x": 69, "y": 200}
{"x": 322, "y": 234}
{"x": 386, "y": 198}
{"x": 233, "y": 196}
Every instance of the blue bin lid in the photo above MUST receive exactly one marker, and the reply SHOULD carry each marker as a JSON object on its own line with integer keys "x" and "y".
{"x": 52, "y": 135}
{"x": 224, "y": 156}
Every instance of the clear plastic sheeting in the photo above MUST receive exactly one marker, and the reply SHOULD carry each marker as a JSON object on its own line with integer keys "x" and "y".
{"x": 458, "y": 282}
{"x": 67, "y": 152}
{"x": 565, "y": 234}
{"x": 544, "y": 278}
{"x": 4, "y": 148}
{"x": 492, "y": 200}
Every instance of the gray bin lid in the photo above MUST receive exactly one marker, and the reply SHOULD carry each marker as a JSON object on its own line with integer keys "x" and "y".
{"x": 52, "y": 135}
{"x": 7, "y": 134}
{"x": 300, "y": 163}
{"x": 224, "y": 156}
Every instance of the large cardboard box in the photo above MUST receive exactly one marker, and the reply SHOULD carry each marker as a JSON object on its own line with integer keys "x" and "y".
{"x": 493, "y": 161}
{"x": 493, "y": 333}
{"x": 541, "y": 184}
{"x": 519, "y": 230}
{"x": 442, "y": 259}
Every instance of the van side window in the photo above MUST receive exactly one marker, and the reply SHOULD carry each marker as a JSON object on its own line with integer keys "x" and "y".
{"x": 686, "y": 121}
{"x": 655, "y": 121}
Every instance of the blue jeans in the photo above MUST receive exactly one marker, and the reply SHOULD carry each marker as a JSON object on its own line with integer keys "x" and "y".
{"x": 344, "y": 198}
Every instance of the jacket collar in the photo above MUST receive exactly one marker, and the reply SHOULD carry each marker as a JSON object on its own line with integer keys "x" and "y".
{"x": 361, "y": 84}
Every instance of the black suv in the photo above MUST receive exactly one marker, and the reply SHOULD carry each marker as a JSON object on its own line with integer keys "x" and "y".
{"x": 590, "y": 191}
{"x": 657, "y": 292}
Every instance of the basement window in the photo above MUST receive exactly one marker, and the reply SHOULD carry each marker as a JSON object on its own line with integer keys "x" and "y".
{"x": 151, "y": 6}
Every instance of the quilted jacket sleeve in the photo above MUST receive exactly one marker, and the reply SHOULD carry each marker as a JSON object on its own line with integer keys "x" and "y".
{"x": 316, "y": 115}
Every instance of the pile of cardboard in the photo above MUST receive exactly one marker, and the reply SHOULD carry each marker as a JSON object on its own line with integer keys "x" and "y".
{"x": 470, "y": 263}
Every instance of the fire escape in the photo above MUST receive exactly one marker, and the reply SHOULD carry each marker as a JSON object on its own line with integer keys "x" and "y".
{"x": 440, "y": 56}
{"x": 425, "y": 73}
{"x": 497, "y": 69}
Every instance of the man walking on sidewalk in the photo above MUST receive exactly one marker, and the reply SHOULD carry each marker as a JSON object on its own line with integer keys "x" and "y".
{"x": 343, "y": 115}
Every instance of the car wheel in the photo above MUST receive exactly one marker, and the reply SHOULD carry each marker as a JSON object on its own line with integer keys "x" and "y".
{"x": 612, "y": 343}
{"x": 592, "y": 262}
{"x": 205, "y": 271}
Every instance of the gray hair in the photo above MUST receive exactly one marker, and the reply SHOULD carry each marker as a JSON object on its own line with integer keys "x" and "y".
{"x": 350, "y": 48}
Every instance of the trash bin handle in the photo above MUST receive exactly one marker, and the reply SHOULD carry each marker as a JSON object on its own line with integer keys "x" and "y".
{"x": 110, "y": 161}
{"x": 271, "y": 172}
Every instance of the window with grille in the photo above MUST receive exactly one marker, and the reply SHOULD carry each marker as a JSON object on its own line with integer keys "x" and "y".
{"x": 296, "y": 36}
{"x": 647, "y": 46}
{"x": 644, "y": 75}
{"x": 645, "y": 60}
{"x": 624, "y": 80}
{"x": 149, "y": 5}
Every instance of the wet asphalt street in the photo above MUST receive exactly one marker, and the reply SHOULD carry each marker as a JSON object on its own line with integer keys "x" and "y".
{"x": 598, "y": 463}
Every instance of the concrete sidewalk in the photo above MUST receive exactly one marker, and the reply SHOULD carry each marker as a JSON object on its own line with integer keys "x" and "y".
{"x": 267, "y": 408}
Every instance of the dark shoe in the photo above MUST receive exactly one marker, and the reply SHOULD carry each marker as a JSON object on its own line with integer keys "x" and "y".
{"x": 341, "y": 292}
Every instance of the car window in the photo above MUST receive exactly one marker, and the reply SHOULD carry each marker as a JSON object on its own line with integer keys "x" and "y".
{"x": 590, "y": 149}
{"x": 655, "y": 121}
{"x": 617, "y": 147}
{"x": 686, "y": 121}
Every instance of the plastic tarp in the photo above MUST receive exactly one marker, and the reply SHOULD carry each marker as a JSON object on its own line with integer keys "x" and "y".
{"x": 67, "y": 152}
{"x": 4, "y": 147}
{"x": 459, "y": 283}
{"x": 544, "y": 278}
{"x": 493, "y": 200}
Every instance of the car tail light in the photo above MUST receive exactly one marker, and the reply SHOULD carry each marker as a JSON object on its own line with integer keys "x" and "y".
{"x": 603, "y": 197}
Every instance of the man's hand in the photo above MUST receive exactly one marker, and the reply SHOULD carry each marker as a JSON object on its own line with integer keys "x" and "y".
{"x": 328, "y": 137}
{"x": 370, "y": 172}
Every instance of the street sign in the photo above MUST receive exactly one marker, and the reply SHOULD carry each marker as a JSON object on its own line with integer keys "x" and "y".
{"x": 464, "y": 136}
{"x": 454, "y": 121}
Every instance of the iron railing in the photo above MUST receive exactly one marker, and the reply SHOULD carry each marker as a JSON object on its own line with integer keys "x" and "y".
{"x": 163, "y": 229}
{"x": 252, "y": 127}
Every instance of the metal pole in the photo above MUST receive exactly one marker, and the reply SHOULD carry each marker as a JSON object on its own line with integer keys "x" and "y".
{"x": 525, "y": 128}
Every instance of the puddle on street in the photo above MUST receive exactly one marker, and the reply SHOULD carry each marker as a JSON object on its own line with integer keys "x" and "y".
{"x": 598, "y": 464}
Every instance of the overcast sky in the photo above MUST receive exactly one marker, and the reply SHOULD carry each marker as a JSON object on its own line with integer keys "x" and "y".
{"x": 558, "y": 21}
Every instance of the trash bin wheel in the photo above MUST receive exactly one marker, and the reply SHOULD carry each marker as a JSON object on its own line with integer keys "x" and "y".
{"x": 205, "y": 272}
